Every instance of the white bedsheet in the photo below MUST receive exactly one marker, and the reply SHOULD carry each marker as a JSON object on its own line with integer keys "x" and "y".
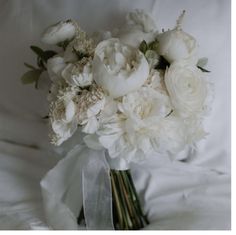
{"x": 192, "y": 194}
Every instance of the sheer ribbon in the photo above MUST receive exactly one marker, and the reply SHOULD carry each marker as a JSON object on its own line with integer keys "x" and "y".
{"x": 81, "y": 178}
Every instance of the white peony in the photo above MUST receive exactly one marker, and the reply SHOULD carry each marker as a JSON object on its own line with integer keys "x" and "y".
{"x": 177, "y": 45}
{"x": 132, "y": 133}
{"x": 187, "y": 89}
{"x": 119, "y": 68}
{"x": 63, "y": 118}
{"x": 139, "y": 26}
{"x": 59, "y": 32}
{"x": 78, "y": 74}
{"x": 144, "y": 107}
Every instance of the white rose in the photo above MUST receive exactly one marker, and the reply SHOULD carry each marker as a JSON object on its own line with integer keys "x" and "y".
{"x": 63, "y": 119}
{"x": 77, "y": 74}
{"x": 187, "y": 88}
{"x": 140, "y": 26}
{"x": 119, "y": 68}
{"x": 59, "y": 32}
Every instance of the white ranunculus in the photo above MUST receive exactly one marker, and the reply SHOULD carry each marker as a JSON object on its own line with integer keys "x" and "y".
{"x": 139, "y": 26}
{"x": 176, "y": 45}
{"x": 118, "y": 68}
{"x": 77, "y": 74}
{"x": 187, "y": 89}
{"x": 59, "y": 32}
{"x": 63, "y": 119}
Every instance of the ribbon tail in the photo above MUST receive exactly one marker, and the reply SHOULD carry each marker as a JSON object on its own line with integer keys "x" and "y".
{"x": 97, "y": 194}
{"x": 80, "y": 179}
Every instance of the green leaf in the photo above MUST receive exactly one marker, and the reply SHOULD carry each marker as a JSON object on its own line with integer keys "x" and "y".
{"x": 38, "y": 51}
{"x": 202, "y": 62}
{"x": 48, "y": 54}
{"x": 203, "y": 70}
{"x": 64, "y": 44}
{"x": 31, "y": 76}
{"x": 143, "y": 46}
{"x": 153, "y": 45}
{"x": 43, "y": 55}
{"x": 29, "y": 66}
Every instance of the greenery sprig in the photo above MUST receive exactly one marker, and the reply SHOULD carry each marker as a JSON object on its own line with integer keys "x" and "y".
{"x": 33, "y": 75}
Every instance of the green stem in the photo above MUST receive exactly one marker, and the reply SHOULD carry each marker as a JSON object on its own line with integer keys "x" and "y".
{"x": 136, "y": 196}
{"x": 127, "y": 211}
{"x": 134, "y": 211}
{"x": 116, "y": 201}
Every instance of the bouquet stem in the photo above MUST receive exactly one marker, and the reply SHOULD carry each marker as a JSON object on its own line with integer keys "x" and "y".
{"x": 127, "y": 211}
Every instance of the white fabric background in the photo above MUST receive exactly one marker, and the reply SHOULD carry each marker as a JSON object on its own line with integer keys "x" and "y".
{"x": 192, "y": 194}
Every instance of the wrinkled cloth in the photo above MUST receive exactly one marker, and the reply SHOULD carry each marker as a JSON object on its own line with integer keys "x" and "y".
{"x": 193, "y": 193}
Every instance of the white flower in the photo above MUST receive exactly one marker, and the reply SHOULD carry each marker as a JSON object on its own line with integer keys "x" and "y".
{"x": 78, "y": 74}
{"x": 130, "y": 133}
{"x": 89, "y": 104}
{"x": 55, "y": 66}
{"x": 139, "y": 26}
{"x": 81, "y": 45}
{"x": 139, "y": 18}
{"x": 187, "y": 89}
{"x": 156, "y": 81}
{"x": 145, "y": 106}
{"x": 195, "y": 129}
{"x": 118, "y": 68}
{"x": 177, "y": 45}
{"x": 63, "y": 118}
{"x": 171, "y": 137}
{"x": 59, "y": 32}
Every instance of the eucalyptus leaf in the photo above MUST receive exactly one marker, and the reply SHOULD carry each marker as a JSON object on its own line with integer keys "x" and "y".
{"x": 48, "y": 54}
{"x": 203, "y": 69}
{"x": 31, "y": 76}
{"x": 143, "y": 47}
{"x": 29, "y": 66}
{"x": 202, "y": 62}
{"x": 38, "y": 51}
{"x": 153, "y": 45}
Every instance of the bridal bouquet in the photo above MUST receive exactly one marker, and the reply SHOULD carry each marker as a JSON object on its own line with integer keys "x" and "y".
{"x": 133, "y": 92}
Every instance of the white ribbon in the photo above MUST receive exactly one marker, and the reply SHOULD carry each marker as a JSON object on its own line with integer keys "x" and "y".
{"x": 81, "y": 178}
